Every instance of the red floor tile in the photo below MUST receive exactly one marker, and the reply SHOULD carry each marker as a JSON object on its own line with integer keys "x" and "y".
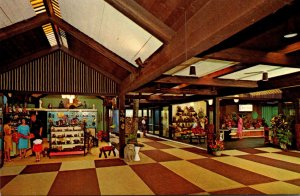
{"x": 50, "y": 167}
{"x": 272, "y": 162}
{"x": 238, "y": 191}
{"x": 75, "y": 182}
{"x": 109, "y": 163}
{"x": 5, "y": 179}
{"x": 234, "y": 173}
{"x": 160, "y": 156}
{"x": 158, "y": 145}
{"x": 163, "y": 181}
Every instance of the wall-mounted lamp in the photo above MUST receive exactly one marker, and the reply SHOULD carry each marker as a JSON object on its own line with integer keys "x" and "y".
{"x": 236, "y": 100}
{"x": 70, "y": 97}
{"x": 210, "y": 101}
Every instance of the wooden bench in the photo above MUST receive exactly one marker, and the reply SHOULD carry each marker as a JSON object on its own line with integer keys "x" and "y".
{"x": 104, "y": 149}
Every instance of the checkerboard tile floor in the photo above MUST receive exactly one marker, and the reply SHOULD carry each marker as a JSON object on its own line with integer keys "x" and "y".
{"x": 166, "y": 167}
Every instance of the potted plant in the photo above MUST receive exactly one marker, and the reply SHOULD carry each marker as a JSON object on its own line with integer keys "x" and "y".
{"x": 217, "y": 147}
{"x": 281, "y": 131}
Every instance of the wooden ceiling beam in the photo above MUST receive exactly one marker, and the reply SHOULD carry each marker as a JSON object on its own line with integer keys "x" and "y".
{"x": 290, "y": 48}
{"x": 144, "y": 18}
{"x": 204, "y": 81}
{"x": 198, "y": 35}
{"x": 290, "y": 80}
{"x": 24, "y": 26}
{"x": 178, "y": 91}
{"x": 27, "y": 59}
{"x": 90, "y": 64}
{"x": 92, "y": 43}
{"x": 255, "y": 57}
{"x": 155, "y": 97}
{"x": 50, "y": 12}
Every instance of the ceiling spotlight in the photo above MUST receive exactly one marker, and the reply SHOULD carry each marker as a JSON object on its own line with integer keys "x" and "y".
{"x": 236, "y": 100}
{"x": 290, "y": 35}
{"x": 192, "y": 70}
{"x": 265, "y": 76}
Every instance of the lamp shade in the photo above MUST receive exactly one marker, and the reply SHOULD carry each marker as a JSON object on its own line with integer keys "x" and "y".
{"x": 265, "y": 76}
{"x": 236, "y": 100}
{"x": 192, "y": 70}
{"x": 210, "y": 101}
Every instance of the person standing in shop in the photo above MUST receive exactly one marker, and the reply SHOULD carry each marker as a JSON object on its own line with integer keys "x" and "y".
{"x": 240, "y": 127}
{"x": 23, "y": 141}
{"x": 36, "y": 128}
{"x": 7, "y": 140}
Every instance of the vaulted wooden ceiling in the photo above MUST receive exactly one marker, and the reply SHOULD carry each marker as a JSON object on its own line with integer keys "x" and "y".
{"x": 246, "y": 33}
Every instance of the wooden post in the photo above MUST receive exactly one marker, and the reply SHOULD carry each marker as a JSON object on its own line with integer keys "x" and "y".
{"x": 122, "y": 143}
{"x": 135, "y": 122}
{"x": 297, "y": 123}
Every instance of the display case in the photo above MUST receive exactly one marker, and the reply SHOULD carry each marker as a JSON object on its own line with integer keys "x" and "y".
{"x": 67, "y": 140}
{"x": 71, "y": 117}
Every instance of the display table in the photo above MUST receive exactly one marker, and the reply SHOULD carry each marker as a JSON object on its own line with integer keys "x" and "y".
{"x": 232, "y": 133}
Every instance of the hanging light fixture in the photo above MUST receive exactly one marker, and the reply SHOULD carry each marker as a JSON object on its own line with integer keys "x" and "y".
{"x": 265, "y": 76}
{"x": 236, "y": 100}
{"x": 192, "y": 70}
{"x": 210, "y": 101}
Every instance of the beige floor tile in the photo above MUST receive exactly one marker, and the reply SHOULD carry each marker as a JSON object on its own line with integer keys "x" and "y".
{"x": 175, "y": 144}
{"x": 30, "y": 184}
{"x": 11, "y": 170}
{"x": 74, "y": 165}
{"x": 269, "y": 149}
{"x": 121, "y": 180}
{"x": 147, "y": 147}
{"x": 297, "y": 151}
{"x": 281, "y": 157}
{"x": 203, "y": 178}
{"x": 182, "y": 154}
{"x": 144, "y": 160}
{"x": 277, "y": 188}
{"x": 202, "y": 193}
{"x": 266, "y": 170}
{"x": 234, "y": 152}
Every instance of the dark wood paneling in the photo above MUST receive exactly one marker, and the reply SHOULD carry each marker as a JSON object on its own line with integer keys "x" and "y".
{"x": 57, "y": 72}
{"x": 22, "y": 45}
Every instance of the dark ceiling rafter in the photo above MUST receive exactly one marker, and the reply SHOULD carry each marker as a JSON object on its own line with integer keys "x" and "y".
{"x": 207, "y": 82}
{"x": 86, "y": 61}
{"x": 290, "y": 48}
{"x": 27, "y": 59}
{"x": 145, "y": 19}
{"x": 50, "y": 12}
{"x": 92, "y": 43}
{"x": 255, "y": 57}
{"x": 240, "y": 15}
{"x": 24, "y": 26}
{"x": 178, "y": 91}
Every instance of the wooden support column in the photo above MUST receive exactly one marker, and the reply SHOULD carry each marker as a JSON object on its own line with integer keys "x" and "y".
{"x": 217, "y": 115}
{"x": 297, "y": 123}
{"x": 122, "y": 143}
{"x": 135, "y": 122}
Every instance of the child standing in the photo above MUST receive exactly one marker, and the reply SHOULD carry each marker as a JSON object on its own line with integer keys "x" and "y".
{"x": 37, "y": 148}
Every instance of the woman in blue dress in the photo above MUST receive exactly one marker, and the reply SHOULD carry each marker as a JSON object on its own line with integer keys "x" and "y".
{"x": 23, "y": 142}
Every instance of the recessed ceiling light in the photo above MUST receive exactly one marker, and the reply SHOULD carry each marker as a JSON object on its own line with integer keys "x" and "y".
{"x": 290, "y": 35}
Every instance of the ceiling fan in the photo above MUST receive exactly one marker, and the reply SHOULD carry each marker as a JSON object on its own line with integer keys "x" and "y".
{"x": 265, "y": 76}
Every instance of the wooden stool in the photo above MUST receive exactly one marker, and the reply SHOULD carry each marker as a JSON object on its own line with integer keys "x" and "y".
{"x": 104, "y": 149}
